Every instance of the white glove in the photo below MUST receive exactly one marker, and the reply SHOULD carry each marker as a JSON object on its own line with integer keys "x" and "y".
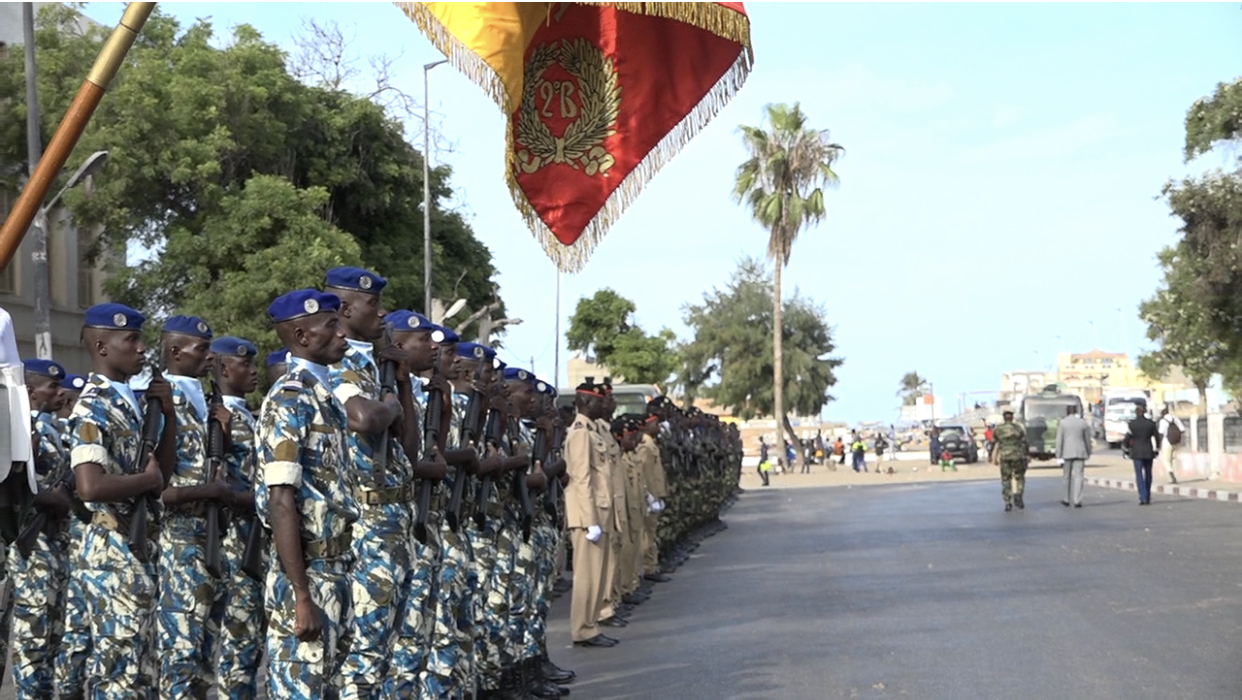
{"x": 1061, "y": 462}
{"x": 593, "y": 533}
{"x": 659, "y": 506}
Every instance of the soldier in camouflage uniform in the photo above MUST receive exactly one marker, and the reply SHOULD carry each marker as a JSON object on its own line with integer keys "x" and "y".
{"x": 419, "y": 339}
{"x": 70, "y": 667}
{"x": 242, "y": 627}
{"x": 305, "y": 498}
{"x": 383, "y": 558}
{"x": 40, "y": 575}
{"x": 1011, "y": 451}
{"x": 191, "y": 601}
{"x": 118, "y": 586}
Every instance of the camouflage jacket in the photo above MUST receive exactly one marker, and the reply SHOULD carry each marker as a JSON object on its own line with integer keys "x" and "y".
{"x": 191, "y": 467}
{"x": 302, "y": 442}
{"x": 107, "y": 430}
{"x": 1010, "y": 441}
{"x": 51, "y": 455}
{"x": 357, "y": 375}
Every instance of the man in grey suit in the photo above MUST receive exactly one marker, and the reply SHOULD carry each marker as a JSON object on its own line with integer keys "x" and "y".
{"x": 1073, "y": 449}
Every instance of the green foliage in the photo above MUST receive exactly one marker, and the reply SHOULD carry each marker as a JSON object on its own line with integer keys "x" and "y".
{"x": 191, "y": 129}
{"x": 603, "y": 325}
{"x": 912, "y": 387}
{"x": 1181, "y": 325}
{"x": 782, "y": 181}
{"x": 730, "y": 359}
{"x": 1214, "y": 120}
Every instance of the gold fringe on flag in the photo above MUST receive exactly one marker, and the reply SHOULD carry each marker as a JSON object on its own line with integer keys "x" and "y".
{"x": 710, "y": 17}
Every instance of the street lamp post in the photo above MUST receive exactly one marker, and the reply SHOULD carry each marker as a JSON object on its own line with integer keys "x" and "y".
{"x": 427, "y": 186}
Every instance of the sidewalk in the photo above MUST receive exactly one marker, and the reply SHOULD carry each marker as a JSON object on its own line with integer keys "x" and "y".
{"x": 1106, "y": 471}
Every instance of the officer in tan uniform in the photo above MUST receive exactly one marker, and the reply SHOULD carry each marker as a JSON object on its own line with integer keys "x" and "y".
{"x": 657, "y": 491}
{"x": 588, "y": 516}
{"x": 612, "y": 614}
{"x": 636, "y": 509}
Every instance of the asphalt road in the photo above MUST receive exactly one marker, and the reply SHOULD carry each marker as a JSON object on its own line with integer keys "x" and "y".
{"x": 932, "y": 591}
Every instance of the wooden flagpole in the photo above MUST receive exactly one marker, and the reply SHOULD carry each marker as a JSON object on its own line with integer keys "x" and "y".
{"x": 71, "y": 127}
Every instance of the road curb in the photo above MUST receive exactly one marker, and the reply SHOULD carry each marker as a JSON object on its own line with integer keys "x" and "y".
{"x": 1170, "y": 490}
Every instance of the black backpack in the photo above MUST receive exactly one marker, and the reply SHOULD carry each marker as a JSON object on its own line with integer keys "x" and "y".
{"x": 1173, "y": 434}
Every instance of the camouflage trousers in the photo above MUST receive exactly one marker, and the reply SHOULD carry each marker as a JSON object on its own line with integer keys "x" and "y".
{"x": 518, "y": 640}
{"x": 298, "y": 670}
{"x": 242, "y": 628}
{"x": 378, "y": 583}
{"x": 415, "y": 622}
{"x": 6, "y": 612}
{"x": 545, "y": 539}
{"x": 493, "y": 556}
{"x": 39, "y": 584}
{"x": 191, "y": 609}
{"x": 449, "y": 667}
{"x": 120, "y": 594}
{"x": 75, "y": 642}
{"x": 1013, "y": 478}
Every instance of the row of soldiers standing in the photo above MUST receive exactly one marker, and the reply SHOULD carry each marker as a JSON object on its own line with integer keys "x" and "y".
{"x": 370, "y": 533}
{"x": 618, "y": 489}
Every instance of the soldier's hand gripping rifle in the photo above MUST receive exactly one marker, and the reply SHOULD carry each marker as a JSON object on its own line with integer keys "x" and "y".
{"x": 493, "y": 435}
{"x": 152, "y": 426}
{"x": 431, "y": 442}
{"x": 540, "y": 451}
{"x": 25, "y": 540}
{"x": 469, "y": 437}
{"x": 519, "y": 484}
{"x": 215, "y": 463}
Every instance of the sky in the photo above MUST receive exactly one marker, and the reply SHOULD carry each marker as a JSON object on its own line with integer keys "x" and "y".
{"x": 999, "y": 195}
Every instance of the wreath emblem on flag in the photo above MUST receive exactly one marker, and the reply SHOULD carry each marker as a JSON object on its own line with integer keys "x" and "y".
{"x": 588, "y": 105}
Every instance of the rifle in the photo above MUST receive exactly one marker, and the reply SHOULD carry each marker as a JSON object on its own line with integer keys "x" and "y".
{"x": 431, "y": 440}
{"x": 152, "y": 426}
{"x": 252, "y": 553}
{"x": 520, "y": 487}
{"x": 388, "y": 385}
{"x": 541, "y": 451}
{"x": 25, "y": 540}
{"x": 215, "y": 462}
{"x": 494, "y": 435}
{"x": 468, "y": 436}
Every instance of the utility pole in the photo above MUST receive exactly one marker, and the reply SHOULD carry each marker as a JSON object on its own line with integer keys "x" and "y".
{"x": 34, "y": 151}
{"x": 427, "y": 187}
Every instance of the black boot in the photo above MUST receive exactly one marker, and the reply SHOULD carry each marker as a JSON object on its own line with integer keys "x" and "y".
{"x": 554, "y": 673}
{"x": 511, "y": 685}
{"x": 537, "y": 684}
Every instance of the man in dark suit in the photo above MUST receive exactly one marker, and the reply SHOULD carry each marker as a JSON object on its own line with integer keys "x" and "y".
{"x": 1143, "y": 437}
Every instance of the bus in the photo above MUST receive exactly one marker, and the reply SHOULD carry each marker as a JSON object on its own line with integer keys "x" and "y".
{"x": 1040, "y": 414}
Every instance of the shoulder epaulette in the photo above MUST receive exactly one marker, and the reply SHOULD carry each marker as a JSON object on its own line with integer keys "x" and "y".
{"x": 292, "y": 386}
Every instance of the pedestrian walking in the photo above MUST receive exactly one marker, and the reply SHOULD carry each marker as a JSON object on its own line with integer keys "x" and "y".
{"x": 838, "y": 449}
{"x": 1171, "y": 431}
{"x": 859, "y": 450}
{"x": 1073, "y": 451}
{"x": 1143, "y": 438}
{"x": 934, "y": 445}
{"x": 1012, "y": 455}
{"x": 880, "y": 445}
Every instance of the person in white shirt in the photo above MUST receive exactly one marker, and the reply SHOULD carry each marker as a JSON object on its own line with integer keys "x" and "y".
{"x": 1170, "y": 446}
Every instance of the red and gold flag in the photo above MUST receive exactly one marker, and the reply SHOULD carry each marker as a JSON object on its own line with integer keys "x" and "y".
{"x": 598, "y": 95}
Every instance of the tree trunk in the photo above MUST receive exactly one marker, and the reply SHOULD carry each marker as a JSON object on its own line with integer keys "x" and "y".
{"x": 799, "y": 453}
{"x": 1202, "y": 408}
{"x": 778, "y": 365}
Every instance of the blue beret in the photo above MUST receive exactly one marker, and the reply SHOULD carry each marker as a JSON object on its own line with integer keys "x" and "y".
{"x": 450, "y": 336}
{"x": 302, "y": 302}
{"x": 113, "y": 317}
{"x": 404, "y": 320}
{"x": 188, "y": 325}
{"x": 468, "y": 350}
{"x": 279, "y": 357}
{"x": 355, "y": 279}
{"x": 46, "y": 368}
{"x": 238, "y": 347}
{"x": 514, "y": 374}
{"x": 74, "y": 382}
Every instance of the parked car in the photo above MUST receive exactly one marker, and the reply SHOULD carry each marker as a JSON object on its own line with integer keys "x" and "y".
{"x": 959, "y": 441}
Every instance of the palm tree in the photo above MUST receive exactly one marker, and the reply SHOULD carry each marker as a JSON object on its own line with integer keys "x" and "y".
{"x": 912, "y": 387}
{"x": 782, "y": 184}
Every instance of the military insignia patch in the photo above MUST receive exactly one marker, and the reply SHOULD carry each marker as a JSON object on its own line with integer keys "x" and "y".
{"x": 202, "y": 327}
{"x": 119, "y": 320}
{"x": 311, "y": 306}
{"x": 364, "y": 282}
{"x": 413, "y": 322}
{"x": 437, "y": 336}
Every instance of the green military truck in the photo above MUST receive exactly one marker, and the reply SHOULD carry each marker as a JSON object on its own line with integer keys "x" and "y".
{"x": 1040, "y": 414}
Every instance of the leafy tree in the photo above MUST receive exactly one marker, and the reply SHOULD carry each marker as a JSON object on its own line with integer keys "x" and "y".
{"x": 731, "y": 358}
{"x": 1182, "y": 325}
{"x": 188, "y": 128}
{"x": 603, "y": 325}
{"x": 912, "y": 387}
{"x": 781, "y": 183}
